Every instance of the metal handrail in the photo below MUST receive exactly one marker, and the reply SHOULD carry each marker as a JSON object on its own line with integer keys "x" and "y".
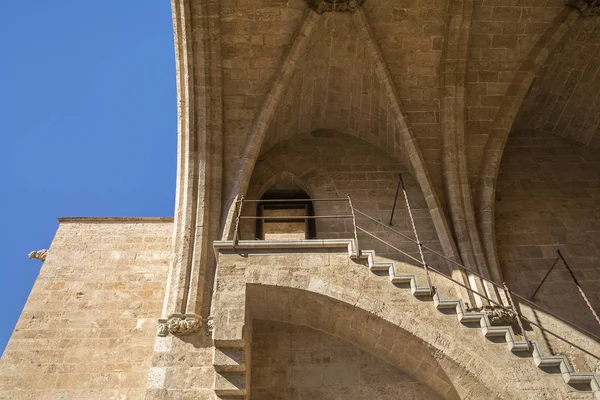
{"x": 242, "y": 200}
{"x": 430, "y": 250}
{"x": 519, "y": 315}
{"x": 494, "y": 302}
{"x": 521, "y": 298}
{"x": 357, "y": 228}
{"x": 301, "y": 217}
{"x": 291, "y": 200}
{"x": 236, "y": 232}
{"x": 355, "y": 225}
{"x": 546, "y": 311}
{"x": 388, "y": 244}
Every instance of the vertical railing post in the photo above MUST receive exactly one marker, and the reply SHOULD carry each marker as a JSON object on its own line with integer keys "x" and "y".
{"x": 581, "y": 292}
{"x": 511, "y": 301}
{"x": 426, "y": 267}
{"x": 395, "y": 199}
{"x": 414, "y": 227}
{"x": 544, "y": 279}
{"x": 354, "y": 225}
{"x": 236, "y": 233}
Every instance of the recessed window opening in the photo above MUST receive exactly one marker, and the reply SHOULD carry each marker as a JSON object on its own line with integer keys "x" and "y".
{"x": 282, "y": 217}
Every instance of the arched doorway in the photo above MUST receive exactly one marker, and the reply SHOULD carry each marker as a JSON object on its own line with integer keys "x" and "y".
{"x": 280, "y": 213}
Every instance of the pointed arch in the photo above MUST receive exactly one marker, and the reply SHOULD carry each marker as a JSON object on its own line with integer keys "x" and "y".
{"x": 485, "y": 191}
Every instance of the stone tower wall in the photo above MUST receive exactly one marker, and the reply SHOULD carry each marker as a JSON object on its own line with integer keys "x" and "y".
{"x": 89, "y": 325}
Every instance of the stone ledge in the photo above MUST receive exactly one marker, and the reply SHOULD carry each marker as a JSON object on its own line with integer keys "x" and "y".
{"x": 284, "y": 244}
{"x": 227, "y": 245}
{"x": 113, "y": 219}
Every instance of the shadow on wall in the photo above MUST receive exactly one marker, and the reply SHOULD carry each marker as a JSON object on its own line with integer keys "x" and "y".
{"x": 292, "y": 360}
{"x": 307, "y": 359}
{"x": 548, "y": 198}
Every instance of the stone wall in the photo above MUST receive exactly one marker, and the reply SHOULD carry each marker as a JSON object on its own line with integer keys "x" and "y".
{"x": 564, "y": 98}
{"x": 325, "y": 290}
{"x": 256, "y": 36}
{"x": 329, "y": 164}
{"x": 547, "y": 199}
{"x": 88, "y": 327}
{"x": 501, "y": 36}
{"x": 410, "y": 34}
{"x": 296, "y": 362}
{"x": 336, "y": 86}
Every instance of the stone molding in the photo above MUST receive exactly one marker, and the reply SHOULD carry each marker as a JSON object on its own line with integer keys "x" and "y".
{"x": 485, "y": 196}
{"x": 265, "y": 116}
{"x": 497, "y": 316}
{"x": 200, "y": 140}
{"x": 38, "y": 255}
{"x": 412, "y": 156}
{"x": 114, "y": 219}
{"x": 321, "y": 6}
{"x": 180, "y": 325}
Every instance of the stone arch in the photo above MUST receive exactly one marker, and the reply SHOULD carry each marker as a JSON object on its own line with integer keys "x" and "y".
{"x": 323, "y": 288}
{"x": 393, "y": 133}
{"x": 256, "y": 192}
{"x": 485, "y": 185}
{"x": 283, "y": 176}
{"x": 298, "y": 362}
{"x": 331, "y": 164}
{"x": 265, "y": 176}
{"x": 427, "y": 356}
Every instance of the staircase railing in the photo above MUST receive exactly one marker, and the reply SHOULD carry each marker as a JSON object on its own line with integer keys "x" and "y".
{"x": 510, "y": 304}
{"x": 496, "y": 294}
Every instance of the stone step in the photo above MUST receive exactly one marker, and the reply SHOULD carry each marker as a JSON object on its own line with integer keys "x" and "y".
{"x": 551, "y": 364}
{"x": 230, "y": 384}
{"x": 229, "y": 361}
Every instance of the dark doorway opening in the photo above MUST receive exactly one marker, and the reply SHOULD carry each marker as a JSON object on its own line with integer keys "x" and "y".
{"x": 279, "y": 204}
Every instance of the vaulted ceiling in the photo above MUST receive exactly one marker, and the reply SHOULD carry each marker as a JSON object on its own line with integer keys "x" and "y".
{"x": 437, "y": 84}
{"x": 565, "y": 97}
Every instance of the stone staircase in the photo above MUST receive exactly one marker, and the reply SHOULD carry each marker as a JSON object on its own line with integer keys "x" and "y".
{"x": 230, "y": 362}
{"x": 231, "y": 359}
{"x": 550, "y": 364}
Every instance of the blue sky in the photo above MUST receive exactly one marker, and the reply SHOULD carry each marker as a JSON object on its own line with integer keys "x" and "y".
{"x": 88, "y": 124}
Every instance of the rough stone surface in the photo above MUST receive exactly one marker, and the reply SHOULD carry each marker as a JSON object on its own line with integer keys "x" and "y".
{"x": 255, "y": 37}
{"x": 295, "y": 362}
{"x": 334, "y": 5}
{"x": 327, "y": 291}
{"x": 336, "y": 86}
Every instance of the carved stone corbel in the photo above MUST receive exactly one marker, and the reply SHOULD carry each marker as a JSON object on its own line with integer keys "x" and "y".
{"x": 180, "y": 325}
{"x": 497, "y": 316}
{"x": 209, "y": 325}
{"x": 38, "y": 255}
